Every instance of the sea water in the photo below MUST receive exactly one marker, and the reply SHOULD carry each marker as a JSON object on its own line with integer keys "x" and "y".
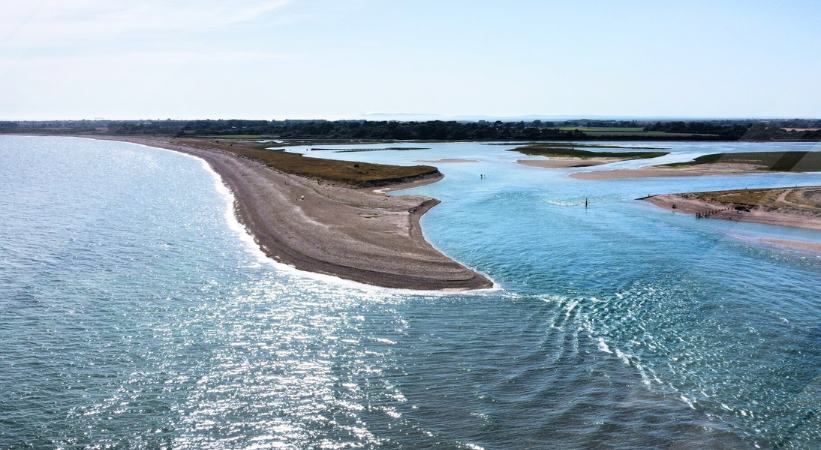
{"x": 135, "y": 312}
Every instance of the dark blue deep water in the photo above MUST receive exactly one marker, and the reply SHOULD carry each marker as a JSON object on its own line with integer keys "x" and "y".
{"x": 134, "y": 312}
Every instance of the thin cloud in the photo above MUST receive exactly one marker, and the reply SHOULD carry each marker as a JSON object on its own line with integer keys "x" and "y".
{"x": 47, "y": 22}
{"x": 139, "y": 58}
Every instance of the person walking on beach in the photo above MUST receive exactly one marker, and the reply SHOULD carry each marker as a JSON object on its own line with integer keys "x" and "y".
{"x": 585, "y": 203}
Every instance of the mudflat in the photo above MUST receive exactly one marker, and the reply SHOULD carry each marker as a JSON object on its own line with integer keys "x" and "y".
{"x": 328, "y": 227}
{"x": 448, "y": 161}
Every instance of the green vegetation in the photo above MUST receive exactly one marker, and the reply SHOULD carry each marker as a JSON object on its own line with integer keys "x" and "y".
{"x": 632, "y": 132}
{"x": 356, "y": 174}
{"x": 235, "y": 136}
{"x": 569, "y": 150}
{"x": 643, "y": 135}
{"x": 775, "y": 161}
{"x": 362, "y": 131}
{"x": 609, "y": 129}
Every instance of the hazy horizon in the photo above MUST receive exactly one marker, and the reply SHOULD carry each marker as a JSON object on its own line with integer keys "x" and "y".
{"x": 275, "y": 59}
{"x": 413, "y": 117}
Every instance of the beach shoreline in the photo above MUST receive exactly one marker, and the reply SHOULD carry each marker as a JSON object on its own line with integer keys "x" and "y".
{"x": 357, "y": 234}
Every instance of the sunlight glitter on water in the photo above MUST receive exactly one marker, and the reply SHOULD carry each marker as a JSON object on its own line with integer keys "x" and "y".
{"x": 617, "y": 324}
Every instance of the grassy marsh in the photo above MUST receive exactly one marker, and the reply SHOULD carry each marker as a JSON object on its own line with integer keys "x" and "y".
{"x": 355, "y": 174}
{"x": 574, "y": 151}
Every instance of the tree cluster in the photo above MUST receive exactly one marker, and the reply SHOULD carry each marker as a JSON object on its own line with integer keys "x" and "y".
{"x": 536, "y": 130}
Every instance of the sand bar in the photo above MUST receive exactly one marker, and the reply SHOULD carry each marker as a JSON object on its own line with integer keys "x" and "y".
{"x": 355, "y": 234}
{"x": 792, "y": 207}
{"x": 656, "y": 171}
{"x": 448, "y": 161}
{"x": 565, "y": 163}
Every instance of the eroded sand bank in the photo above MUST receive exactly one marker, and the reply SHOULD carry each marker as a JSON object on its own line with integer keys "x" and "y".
{"x": 792, "y": 207}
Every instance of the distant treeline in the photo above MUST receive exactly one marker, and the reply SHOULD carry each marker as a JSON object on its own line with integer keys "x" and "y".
{"x": 537, "y": 130}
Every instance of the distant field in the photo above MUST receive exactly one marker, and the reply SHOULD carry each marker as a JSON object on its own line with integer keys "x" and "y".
{"x": 622, "y": 132}
{"x": 645, "y": 134}
{"x": 233, "y": 136}
{"x": 356, "y": 174}
{"x": 598, "y": 129}
{"x": 775, "y": 161}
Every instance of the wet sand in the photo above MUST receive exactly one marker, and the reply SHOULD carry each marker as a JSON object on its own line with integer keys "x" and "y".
{"x": 633, "y": 173}
{"x": 448, "y": 161}
{"x": 793, "y": 245}
{"x": 355, "y": 234}
{"x": 564, "y": 163}
{"x": 655, "y": 171}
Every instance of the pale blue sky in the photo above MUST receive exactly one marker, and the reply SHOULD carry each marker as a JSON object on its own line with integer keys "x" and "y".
{"x": 350, "y": 59}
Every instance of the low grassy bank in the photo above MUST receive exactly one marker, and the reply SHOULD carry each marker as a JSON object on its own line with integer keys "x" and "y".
{"x": 355, "y": 174}
{"x": 774, "y": 161}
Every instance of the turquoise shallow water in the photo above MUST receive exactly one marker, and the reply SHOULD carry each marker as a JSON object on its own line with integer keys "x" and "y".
{"x": 134, "y": 313}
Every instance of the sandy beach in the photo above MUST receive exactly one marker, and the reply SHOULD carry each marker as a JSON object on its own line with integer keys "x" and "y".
{"x": 792, "y": 207}
{"x": 355, "y": 234}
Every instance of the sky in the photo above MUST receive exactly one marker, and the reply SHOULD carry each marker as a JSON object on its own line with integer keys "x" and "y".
{"x": 337, "y": 59}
